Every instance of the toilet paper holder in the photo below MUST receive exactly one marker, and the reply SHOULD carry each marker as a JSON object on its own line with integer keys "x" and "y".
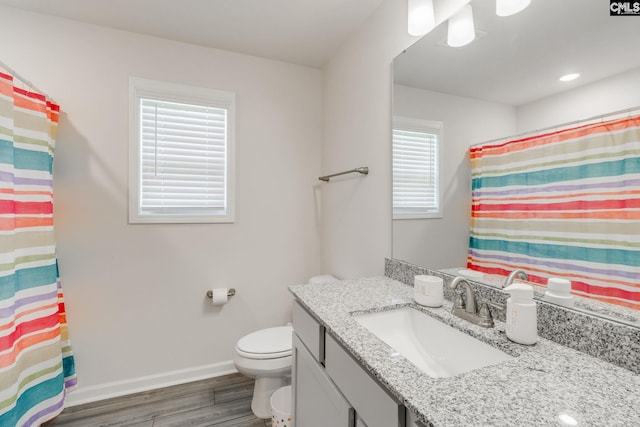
{"x": 230, "y": 293}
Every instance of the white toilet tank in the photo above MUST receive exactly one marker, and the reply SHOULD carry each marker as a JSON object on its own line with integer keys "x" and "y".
{"x": 324, "y": 278}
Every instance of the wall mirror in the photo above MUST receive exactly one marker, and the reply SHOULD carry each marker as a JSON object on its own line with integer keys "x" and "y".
{"x": 503, "y": 84}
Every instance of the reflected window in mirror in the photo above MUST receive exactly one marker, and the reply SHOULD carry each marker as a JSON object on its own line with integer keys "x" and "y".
{"x": 416, "y": 168}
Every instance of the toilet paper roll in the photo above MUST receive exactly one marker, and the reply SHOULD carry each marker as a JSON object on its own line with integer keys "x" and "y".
{"x": 219, "y": 296}
{"x": 428, "y": 290}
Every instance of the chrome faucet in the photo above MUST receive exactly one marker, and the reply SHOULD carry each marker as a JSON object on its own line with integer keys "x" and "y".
{"x": 512, "y": 276}
{"x": 468, "y": 308}
{"x": 469, "y": 305}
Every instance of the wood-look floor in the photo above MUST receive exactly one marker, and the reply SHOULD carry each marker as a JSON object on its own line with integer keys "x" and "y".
{"x": 222, "y": 402}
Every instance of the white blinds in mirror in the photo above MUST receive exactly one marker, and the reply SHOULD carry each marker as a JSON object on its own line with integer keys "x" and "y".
{"x": 416, "y": 169}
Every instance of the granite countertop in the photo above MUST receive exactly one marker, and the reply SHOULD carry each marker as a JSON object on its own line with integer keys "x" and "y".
{"x": 536, "y": 387}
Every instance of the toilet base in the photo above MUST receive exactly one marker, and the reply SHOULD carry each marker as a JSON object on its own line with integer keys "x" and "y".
{"x": 262, "y": 391}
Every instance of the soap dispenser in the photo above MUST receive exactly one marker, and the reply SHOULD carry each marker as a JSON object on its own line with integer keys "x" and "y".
{"x": 559, "y": 292}
{"x": 522, "y": 319}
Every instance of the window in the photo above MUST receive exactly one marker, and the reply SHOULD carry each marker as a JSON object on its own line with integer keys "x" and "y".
{"x": 416, "y": 177}
{"x": 181, "y": 166}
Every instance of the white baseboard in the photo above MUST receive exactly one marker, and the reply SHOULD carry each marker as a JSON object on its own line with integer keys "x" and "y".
{"x": 95, "y": 393}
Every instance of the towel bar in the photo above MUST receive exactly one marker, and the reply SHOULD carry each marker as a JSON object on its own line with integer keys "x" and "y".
{"x": 363, "y": 170}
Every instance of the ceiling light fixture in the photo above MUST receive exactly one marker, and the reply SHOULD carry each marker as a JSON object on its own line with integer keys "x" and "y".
{"x": 569, "y": 77}
{"x": 421, "y": 18}
{"x": 510, "y": 7}
{"x": 461, "y": 30}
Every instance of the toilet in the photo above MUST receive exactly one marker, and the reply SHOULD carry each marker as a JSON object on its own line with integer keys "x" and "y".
{"x": 266, "y": 355}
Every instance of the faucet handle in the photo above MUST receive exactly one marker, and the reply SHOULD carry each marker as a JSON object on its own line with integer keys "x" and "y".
{"x": 496, "y": 305}
{"x": 459, "y": 301}
{"x": 486, "y": 319}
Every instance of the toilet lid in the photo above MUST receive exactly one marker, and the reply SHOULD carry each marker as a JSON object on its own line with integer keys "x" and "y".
{"x": 266, "y": 343}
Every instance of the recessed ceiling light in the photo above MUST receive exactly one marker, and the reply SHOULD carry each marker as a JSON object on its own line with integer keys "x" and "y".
{"x": 567, "y": 420}
{"x": 569, "y": 77}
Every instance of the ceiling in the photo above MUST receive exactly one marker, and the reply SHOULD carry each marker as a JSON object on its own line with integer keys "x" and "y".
{"x": 514, "y": 60}
{"x": 305, "y": 32}
{"x": 518, "y": 59}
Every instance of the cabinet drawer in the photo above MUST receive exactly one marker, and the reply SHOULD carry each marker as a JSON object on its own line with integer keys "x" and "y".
{"x": 369, "y": 399}
{"x": 311, "y": 333}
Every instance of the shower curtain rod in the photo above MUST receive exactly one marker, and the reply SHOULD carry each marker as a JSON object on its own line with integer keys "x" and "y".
{"x": 25, "y": 81}
{"x": 562, "y": 125}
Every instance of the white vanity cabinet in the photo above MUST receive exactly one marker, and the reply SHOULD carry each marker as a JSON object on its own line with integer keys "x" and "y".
{"x": 412, "y": 420}
{"x": 330, "y": 387}
{"x": 317, "y": 401}
{"x": 360, "y": 423}
{"x": 372, "y": 403}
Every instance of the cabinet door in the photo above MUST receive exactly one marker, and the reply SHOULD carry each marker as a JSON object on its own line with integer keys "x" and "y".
{"x": 412, "y": 420}
{"x": 370, "y": 400}
{"x": 359, "y": 422}
{"x": 316, "y": 402}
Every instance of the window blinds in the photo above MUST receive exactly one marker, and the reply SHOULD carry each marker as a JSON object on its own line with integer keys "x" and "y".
{"x": 183, "y": 158}
{"x": 415, "y": 173}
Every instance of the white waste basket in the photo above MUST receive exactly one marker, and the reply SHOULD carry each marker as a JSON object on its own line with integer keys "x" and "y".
{"x": 281, "y": 407}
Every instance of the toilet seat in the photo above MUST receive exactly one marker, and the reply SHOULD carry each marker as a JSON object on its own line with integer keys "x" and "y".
{"x": 270, "y": 343}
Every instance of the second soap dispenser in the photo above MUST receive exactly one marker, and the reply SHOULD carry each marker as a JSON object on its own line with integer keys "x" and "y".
{"x": 522, "y": 319}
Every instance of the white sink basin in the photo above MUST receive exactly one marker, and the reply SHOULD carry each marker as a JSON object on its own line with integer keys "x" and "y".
{"x": 436, "y": 348}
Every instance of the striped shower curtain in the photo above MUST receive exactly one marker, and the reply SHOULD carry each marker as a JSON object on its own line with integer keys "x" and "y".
{"x": 564, "y": 204}
{"x": 36, "y": 363}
